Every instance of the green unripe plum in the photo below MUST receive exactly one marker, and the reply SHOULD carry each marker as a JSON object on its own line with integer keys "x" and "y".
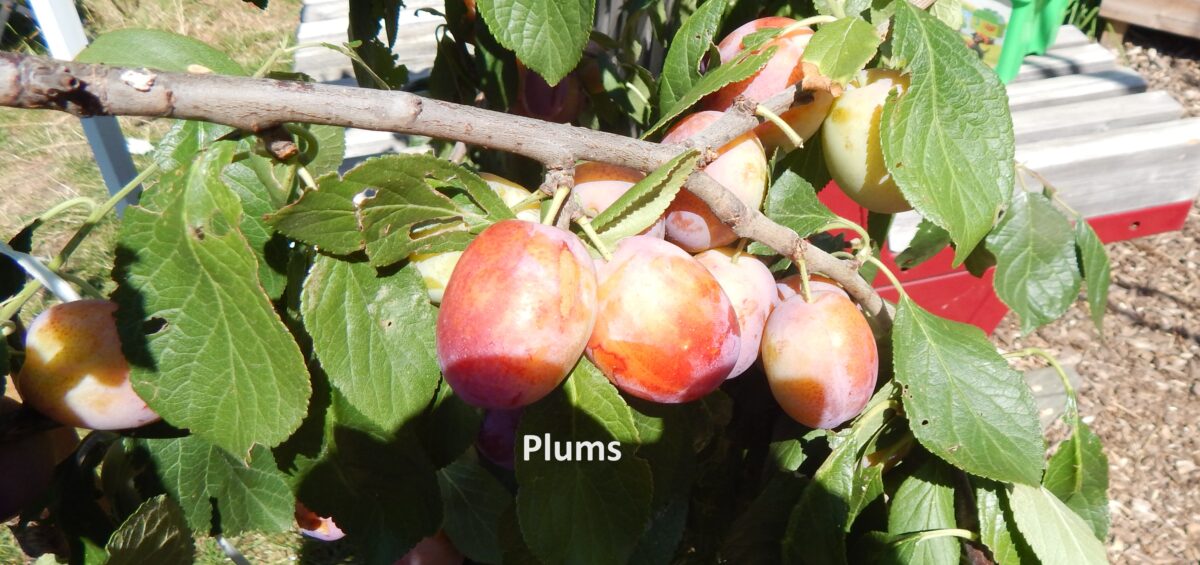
{"x": 665, "y": 331}
{"x": 27, "y": 464}
{"x": 516, "y": 314}
{"x": 820, "y": 359}
{"x": 784, "y": 69}
{"x": 751, "y": 290}
{"x": 741, "y": 167}
{"x": 435, "y": 268}
{"x": 852, "y": 144}
{"x": 75, "y": 372}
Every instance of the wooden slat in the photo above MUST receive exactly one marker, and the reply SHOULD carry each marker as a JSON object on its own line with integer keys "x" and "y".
{"x": 1126, "y": 169}
{"x": 1073, "y": 88}
{"x": 1080, "y": 59}
{"x": 1069, "y": 36}
{"x": 1094, "y": 116}
{"x": 1180, "y": 17}
{"x": 325, "y": 10}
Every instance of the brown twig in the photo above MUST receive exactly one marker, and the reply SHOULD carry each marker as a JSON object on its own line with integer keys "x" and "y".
{"x": 259, "y": 104}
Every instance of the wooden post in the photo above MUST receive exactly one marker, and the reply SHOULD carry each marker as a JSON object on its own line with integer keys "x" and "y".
{"x": 64, "y": 36}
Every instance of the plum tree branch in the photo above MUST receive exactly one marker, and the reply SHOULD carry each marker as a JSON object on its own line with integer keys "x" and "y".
{"x": 257, "y": 104}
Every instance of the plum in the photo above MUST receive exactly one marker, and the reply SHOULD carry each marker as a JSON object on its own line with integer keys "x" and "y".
{"x": 751, "y": 289}
{"x": 317, "y": 527}
{"x": 740, "y": 167}
{"x": 433, "y": 550}
{"x": 75, "y": 372}
{"x": 852, "y": 146}
{"x": 561, "y": 103}
{"x": 435, "y": 268}
{"x": 516, "y": 314}
{"x": 665, "y": 331}
{"x": 782, "y": 70}
{"x": 27, "y": 464}
{"x": 497, "y": 437}
{"x": 598, "y": 185}
{"x": 820, "y": 358}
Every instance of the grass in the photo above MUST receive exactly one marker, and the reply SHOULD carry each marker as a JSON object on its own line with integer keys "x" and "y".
{"x": 45, "y": 160}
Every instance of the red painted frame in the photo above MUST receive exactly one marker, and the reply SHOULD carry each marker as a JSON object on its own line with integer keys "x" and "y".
{"x": 957, "y": 295}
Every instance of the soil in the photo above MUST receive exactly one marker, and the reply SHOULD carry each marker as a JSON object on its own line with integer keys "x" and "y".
{"x": 1141, "y": 384}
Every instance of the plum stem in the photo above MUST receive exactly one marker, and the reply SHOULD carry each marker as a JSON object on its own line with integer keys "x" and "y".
{"x": 843, "y": 223}
{"x": 889, "y": 274}
{"x": 807, "y": 23}
{"x": 804, "y": 291}
{"x": 739, "y": 251}
{"x": 560, "y": 196}
{"x": 781, "y": 124}
{"x": 594, "y": 237}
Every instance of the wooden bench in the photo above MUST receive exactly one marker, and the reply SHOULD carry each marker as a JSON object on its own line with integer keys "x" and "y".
{"x": 1123, "y": 157}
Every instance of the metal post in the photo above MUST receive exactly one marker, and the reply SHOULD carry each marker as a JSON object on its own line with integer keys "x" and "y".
{"x": 64, "y": 37}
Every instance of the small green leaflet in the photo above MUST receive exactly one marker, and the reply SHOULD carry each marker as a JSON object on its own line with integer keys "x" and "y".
{"x": 374, "y": 336}
{"x": 953, "y": 162}
{"x": 965, "y": 403}
{"x": 644, "y": 203}
{"x": 547, "y": 35}
{"x": 159, "y": 50}
{"x": 924, "y": 501}
{"x": 949, "y": 12}
{"x": 1094, "y": 262}
{"x": 842, "y": 48}
{"x": 209, "y": 482}
{"x": 155, "y": 533}
{"x": 223, "y": 364}
{"x": 681, "y": 68}
{"x": 472, "y": 502}
{"x": 928, "y": 241}
{"x": 393, "y": 206}
{"x": 1078, "y": 475}
{"x": 583, "y": 512}
{"x": 997, "y": 530}
{"x": 740, "y": 68}
{"x": 792, "y": 202}
{"x": 1037, "y": 273}
{"x": 1057, "y": 535}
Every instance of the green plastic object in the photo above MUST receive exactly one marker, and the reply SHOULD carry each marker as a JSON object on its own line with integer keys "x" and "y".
{"x": 1032, "y": 28}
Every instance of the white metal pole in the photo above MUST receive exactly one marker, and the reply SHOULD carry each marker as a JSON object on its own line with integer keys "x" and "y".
{"x": 63, "y": 33}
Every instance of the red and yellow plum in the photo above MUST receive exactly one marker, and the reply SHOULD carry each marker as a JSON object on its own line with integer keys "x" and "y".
{"x": 598, "y": 185}
{"x": 820, "y": 358}
{"x": 516, "y": 314}
{"x": 751, "y": 290}
{"x": 75, "y": 372}
{"x": 740, "y": 167}
{"x": 27, "y": 464}
{"x": 665, "y": 331}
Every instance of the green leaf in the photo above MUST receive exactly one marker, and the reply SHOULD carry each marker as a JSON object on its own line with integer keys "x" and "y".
{"x": 258, "y": 201}
{"x": 681, "y": 67}
{"x": 159, "y": 50}
{"x": 156, "y": 533}
{"x": 997, "y": 530}
{"x": 583, "y": 511}
{"x": 449, "y": 427}
{"x": 645, "y": 202}
{"x": 953, "y": 160}
{"x": 755, "y": 534}
{"x": 1093, "y": 260}
{"x": 1036, "y": 269}
{"x": 744, "y": 65}
{"x": 326, "y": 217}
{"x": 1056, "y": 534}
{"x": 792, "y": 202}
{"x": 223, "y": 364}
{"x": 220, "y": 492}
{"x": 965, "y": 403}
{"x": 374, "y": 337}
{"x": 928, "y": 242}
{"x": 383, "y": 493}
{"x": 472, "y": 502}
{"x": 331, "y": 149}
{"x": 924, "y": 501}
{"x": 842, "y": 48}
{"x": 1078, "y": 475}
{"x": 949, "y": 12}
{"x": 547, "y": 35}
{"x": 180, "y": 145}
{"x": 808, "y": 162}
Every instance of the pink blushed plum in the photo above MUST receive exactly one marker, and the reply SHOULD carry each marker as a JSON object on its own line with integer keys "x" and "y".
{"x": 665, "y": 331}
{"x": 751, "y": 289}
{"x": 516, "y": 314}
{"x": 599, "y": 185}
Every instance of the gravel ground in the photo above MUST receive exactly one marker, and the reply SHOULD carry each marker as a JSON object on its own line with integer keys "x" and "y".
{"x": 1141, "y": 384}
